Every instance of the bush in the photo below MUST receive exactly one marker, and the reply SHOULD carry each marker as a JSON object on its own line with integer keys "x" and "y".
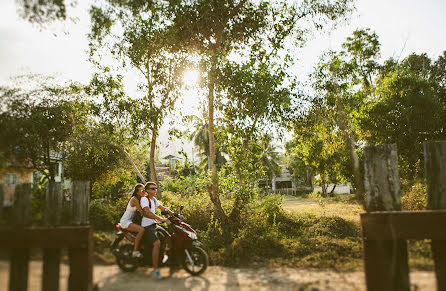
{"x": 415, "y": 198}
{"x": 104, "y": 215}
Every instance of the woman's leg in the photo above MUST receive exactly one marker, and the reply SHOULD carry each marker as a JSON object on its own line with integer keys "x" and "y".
{"x": 136, "y": 228}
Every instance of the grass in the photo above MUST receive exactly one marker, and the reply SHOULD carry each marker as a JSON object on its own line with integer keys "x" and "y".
{"x": 310, "y": 233}
{"x": 339, "y": 206}
{"x": 349, "y": 249}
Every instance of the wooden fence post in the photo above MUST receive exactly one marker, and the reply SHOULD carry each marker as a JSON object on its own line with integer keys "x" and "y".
{"x": 80, "y": 198}
{"x": 435, "y": 171}
{"x": 51, "y": 257}
{"x": 81, "y": 259}
{"x": 1, "y": 201}
{"x": 18, "y": 276}
{"x": 386, "y": 262}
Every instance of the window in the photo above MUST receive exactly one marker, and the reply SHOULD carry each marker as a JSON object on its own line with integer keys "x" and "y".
{"x": 55, "y": 167}
{"x": 10, "y": 179}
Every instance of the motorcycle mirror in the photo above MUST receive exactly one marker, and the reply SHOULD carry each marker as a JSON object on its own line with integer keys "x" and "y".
{"x": 181, "y": 207}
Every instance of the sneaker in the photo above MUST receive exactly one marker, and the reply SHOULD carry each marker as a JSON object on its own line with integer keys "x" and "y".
{"x": 137, "y": 254}
{"x": 156, "y": 274}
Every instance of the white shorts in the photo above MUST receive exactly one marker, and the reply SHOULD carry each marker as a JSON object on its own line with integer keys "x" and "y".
{"x": 125, "y": 224}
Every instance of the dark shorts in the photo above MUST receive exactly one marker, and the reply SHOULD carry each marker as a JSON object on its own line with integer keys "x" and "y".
{"x": 150, "y": 234}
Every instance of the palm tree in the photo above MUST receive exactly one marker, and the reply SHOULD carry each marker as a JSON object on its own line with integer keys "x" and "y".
{"x": 200, "y": 137}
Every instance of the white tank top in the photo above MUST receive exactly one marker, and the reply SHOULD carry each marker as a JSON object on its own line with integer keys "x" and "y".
{"x": 129, "y": 212}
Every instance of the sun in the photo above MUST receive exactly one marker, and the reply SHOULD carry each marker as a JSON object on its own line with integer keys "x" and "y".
{"x": 191, "y": 78}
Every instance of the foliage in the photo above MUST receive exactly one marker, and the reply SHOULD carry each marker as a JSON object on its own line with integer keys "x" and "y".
{"x": 251, "y": 30}
{"x": 408, "y": 110}
{"x": 414, "y": 198}
{"x": 38, "y": 204}
{"x": 200, "y": 137}
{"x": 37, "y": 122}
{"x": 187, "y": 185}
{"x": 317, "y": 149}
{"x": 43, "y": 11}
{"x": 103, "y": 214}
{"x": 134, "y": 34}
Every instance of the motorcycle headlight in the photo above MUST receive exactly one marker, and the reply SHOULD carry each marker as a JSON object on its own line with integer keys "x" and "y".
{"x": 191, "y": 234}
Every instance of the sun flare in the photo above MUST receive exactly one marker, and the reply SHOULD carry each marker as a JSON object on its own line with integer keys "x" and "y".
{"x": 190, "y": 78}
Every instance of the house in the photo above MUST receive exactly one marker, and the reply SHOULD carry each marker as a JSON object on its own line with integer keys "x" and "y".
{"x": 20, "y": 173}
{"x": 12, "y": 174}
{"x": 283, "y": 184}
{"x": 172, "y": 160}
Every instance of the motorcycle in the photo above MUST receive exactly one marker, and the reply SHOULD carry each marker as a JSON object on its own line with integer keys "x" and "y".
{"x": 179, "y": 246}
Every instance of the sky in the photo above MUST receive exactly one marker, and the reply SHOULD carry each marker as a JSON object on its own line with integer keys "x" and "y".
{"x": 403, "y": 27}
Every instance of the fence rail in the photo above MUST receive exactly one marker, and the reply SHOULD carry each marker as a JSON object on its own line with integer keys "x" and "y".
{"x": 19, "y": 237}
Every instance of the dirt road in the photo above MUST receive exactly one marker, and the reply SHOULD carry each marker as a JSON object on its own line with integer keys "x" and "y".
{"x": 110, "y": 278}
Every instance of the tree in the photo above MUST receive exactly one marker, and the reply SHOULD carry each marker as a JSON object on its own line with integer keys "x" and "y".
{"x": 134, "y": 34}
{"x": 317, "y": 149}
{"x": 43, "y": 11}
{"x": 215, "y": 29}
{"x": 345, "y": 81}
{"x": 200, "y": 137}
{"x": 407, "y": 111}
{"x": 37, "y": 123}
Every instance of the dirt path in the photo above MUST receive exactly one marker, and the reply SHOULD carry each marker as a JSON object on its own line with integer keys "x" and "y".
{"x": 110, "y": 278}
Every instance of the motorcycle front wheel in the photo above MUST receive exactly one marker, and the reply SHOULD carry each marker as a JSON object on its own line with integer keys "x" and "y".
{"x": 195, "y": 260}
{"x": 125, "y": 260}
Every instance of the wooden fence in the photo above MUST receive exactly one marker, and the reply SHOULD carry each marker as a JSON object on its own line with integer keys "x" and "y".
{"x": 385, "y": 228}
{"x": 19, "y": 237}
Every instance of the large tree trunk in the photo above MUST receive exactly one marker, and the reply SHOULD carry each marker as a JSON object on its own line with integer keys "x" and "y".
{"x": 153, "y": 175}
{"x": 213, "y": 189}
{"x": 350, "y": 143}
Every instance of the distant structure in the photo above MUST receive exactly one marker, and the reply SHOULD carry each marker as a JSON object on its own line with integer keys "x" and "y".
{"x": 164, "y": 170}
{"x": 283, "y": 184}
{"x": 20, "y": 173}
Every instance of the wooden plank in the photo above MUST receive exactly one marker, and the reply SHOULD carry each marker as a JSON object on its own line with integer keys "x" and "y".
{"x": 51, "y": 257}
{"x": 381, "y": 178}
{"x": 435, "y": 171}
{"x": 19, "y": 262}
{"x": 61, "y": 237}
{"x": 21, "y": 210}
{"x": 2, "y": 196}
{"x": 81, "y": 267}
{"x": 53, "y": 204}
{"x": 385, "y": 261}
{"x": 18, "y": 275}
{"x": 81, "y": 260}
{"x": 79, "y": 202}
{"x": 405, "y": 225}
{"x": 51, "y": 269}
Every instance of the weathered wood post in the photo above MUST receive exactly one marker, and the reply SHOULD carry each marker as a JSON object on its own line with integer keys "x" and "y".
{"x": 18, "y": 276}
{"x": 51, "y": 257}
{"x": 81, "y": 259}
{"x": 386, "y": 263}
{"x": 2, "y": 195}
{"x": 435, "y": 168}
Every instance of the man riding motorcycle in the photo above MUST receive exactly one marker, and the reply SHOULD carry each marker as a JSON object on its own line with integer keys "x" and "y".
{"x": 149, "y": 204}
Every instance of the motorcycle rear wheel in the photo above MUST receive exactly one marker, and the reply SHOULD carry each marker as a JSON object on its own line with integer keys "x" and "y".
{"x": 197, "y": 261}
{"x": 125, "y": 260}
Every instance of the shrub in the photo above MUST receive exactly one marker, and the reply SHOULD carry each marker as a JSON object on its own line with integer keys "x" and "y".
{"x": 104, "y": 215}
{"x": 415, "y": 198}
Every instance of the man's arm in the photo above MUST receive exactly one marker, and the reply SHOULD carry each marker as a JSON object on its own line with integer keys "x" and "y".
{"x": 161, "y": 207}
{"x": 150, "y": 214}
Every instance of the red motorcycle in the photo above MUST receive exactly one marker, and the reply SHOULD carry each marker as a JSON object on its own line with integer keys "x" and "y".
{"x": 179, "y": 246}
